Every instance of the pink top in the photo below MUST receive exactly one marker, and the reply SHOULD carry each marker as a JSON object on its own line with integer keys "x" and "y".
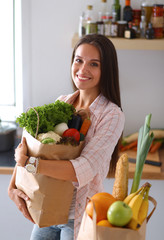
{"x": 93, "y": 164}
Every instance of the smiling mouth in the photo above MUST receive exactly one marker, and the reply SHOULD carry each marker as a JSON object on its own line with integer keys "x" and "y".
{"x": 83, "y": 78}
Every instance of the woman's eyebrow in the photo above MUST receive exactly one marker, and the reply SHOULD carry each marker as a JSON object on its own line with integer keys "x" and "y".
{"x": 94, "y": 59}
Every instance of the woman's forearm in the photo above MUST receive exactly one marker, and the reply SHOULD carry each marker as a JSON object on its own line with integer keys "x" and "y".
{"x": 58, "y": 169}
{"x": 12, "y": 181}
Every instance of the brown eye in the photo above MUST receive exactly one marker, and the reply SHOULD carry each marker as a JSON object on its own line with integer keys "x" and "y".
{"x": 94, "y": 64}
{"x": 77, "y": 60}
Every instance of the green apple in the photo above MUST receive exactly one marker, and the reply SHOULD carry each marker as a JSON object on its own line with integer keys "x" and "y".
{"x": 119, "y": 213}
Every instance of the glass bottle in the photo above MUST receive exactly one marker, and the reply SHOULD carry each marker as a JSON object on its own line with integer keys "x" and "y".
{"x": 114, "y": 25}
{"x": 103, "y": 9}
{"x": 89, "y": 14}
{"x": 142, "y": 27}
{"x": 107, "y": 25}
{"x": 116, "y": 7}
{"x": 82, "y": 25}
{"x": 129, "y": 32}
{"x": 100, "y": 24}
{"x": 146, "y": 9}
{"x": 91, "y": 25}
{"x": 149, "y": 31}
{"x": 127, "y": 12}
{"x": 136, "y": 21}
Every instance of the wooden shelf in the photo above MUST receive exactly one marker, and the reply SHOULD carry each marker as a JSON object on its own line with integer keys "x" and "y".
{"x": 132, "y": 44}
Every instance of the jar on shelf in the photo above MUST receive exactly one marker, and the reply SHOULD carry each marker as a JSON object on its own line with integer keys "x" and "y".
{"x": 157, "y": 20}
{"x": 121, "y": 28}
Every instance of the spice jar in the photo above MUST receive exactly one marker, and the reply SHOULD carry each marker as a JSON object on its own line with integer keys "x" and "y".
{"x": 157, "y": 20}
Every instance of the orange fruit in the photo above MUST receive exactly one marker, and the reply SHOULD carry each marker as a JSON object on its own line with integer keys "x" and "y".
{"x": 102, "y": 202}
{"x": 104, "y": 223}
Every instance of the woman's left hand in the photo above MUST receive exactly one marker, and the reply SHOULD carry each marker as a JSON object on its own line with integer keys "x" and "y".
{"x": 21, "y": 153}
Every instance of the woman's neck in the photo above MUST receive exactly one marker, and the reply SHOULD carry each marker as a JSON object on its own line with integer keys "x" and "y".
{"x": 85, "y": 99}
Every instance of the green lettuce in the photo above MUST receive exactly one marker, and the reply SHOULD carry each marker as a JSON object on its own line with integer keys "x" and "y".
{"x": 49, "y": 116}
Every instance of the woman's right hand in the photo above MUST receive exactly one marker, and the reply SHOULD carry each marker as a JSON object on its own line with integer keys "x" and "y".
{"x": 19, "y": 198}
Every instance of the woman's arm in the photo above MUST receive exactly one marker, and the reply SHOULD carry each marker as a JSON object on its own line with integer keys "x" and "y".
{"x": 58, "y": 169}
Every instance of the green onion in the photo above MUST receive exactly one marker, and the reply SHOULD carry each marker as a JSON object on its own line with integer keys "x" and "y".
{"x": 144, "y": 141}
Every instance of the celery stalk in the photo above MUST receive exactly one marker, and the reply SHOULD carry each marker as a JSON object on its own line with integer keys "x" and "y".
{"x": 144, "y": 141}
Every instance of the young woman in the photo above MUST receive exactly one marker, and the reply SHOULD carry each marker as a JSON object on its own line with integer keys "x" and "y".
{"x": 96, "y": 81}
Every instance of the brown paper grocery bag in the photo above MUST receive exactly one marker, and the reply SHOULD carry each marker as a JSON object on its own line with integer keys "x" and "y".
{"x": 50, "y": 198}
{"x": 90, "y": 231}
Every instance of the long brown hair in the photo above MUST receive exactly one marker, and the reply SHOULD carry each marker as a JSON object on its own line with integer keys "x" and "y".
{"x": 109, "y": 80}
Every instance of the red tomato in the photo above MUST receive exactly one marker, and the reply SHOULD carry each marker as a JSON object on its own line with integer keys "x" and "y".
{"x": 72, "y": 132}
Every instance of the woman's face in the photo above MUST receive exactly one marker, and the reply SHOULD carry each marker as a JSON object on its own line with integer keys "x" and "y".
{"x": 86, "y": 67}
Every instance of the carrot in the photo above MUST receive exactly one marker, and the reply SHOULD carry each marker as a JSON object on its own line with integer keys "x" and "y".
{"x": 134, "y": 148}
{"x": 85, "y": 126}
{"x": 155, "y": 146}
{"x": 151, "y": 145}
{"x": 129, "y": 146}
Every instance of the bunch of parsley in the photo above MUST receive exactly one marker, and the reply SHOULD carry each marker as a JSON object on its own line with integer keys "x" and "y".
{"x": 49, "y": 116}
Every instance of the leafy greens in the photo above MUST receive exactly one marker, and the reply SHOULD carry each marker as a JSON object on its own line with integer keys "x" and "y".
{"x": 49, "y": 116}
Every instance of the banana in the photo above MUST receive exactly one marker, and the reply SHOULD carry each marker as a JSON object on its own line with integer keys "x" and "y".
{"x": 143, "y": 211}
{"x": 130, "y": 196}
{"x": 138, "y": 201}
{"x": 133, "y": 224}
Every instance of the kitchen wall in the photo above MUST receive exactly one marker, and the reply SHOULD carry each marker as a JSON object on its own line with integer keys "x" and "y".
{"x": 48, "y": 28}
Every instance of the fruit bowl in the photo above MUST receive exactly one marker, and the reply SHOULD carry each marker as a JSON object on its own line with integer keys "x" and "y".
{"x": 7, "y": 135}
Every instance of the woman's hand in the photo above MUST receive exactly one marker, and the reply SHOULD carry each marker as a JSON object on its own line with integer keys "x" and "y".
{"x": 21, "y": 153}
{"x": 19, "y": 198}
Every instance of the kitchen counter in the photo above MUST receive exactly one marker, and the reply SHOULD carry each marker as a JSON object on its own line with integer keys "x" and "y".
{"x": 149, "y": 171}
{"x": 7, "y": 164}
{"x": 7, "y": 161}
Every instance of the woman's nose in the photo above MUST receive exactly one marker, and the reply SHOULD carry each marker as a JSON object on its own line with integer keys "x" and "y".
{"x": 84, "y": 67}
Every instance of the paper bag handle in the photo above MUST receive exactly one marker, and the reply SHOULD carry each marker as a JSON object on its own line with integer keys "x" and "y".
{"x": 151, "y": 199}
{"x": 37, "y": 127}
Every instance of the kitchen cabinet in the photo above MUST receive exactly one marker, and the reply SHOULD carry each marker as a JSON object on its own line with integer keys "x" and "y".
{"x": 132, "y": 44}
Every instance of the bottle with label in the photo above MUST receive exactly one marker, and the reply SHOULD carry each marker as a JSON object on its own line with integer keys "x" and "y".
{"x": 116, "y": 7}
{"x": 157, "y": 20}
{"x": 100, "y": 24}
{"x": 149, "y": 32}
{"x": 142, "y": 27}
{"x": 91, "y": 25}
{"x": 129, "y": 32}
{"x": 127, "y": 12}
{"x": 82, "y": 25}
{"x": 107, "y": 25}
{"x": 114, "y": 25}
